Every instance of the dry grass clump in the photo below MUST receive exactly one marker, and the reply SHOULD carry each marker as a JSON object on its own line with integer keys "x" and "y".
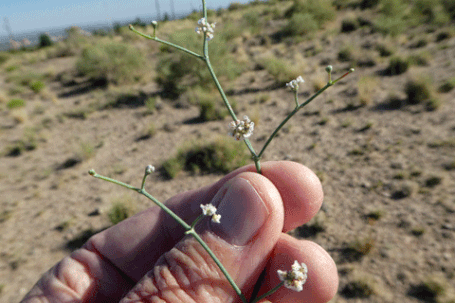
{"x": 419, "y": 90}
{"x": 367, "y": 87}
{"x": 221, "y": 155}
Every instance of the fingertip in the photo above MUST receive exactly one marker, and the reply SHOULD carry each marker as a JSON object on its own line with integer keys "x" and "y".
{"x": 300, "y": 189}
{"x": 322, "y": 281}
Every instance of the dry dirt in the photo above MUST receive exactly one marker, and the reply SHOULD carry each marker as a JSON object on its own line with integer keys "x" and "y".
{"x": 364, "y": 156}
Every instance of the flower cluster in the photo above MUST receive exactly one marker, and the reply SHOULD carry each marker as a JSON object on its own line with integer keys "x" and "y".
{"x": 210, "y": 210}
{"x": 241, "y": 129}
{"x": 295, "y": 278}
{"x": 294, "y": 84}
{"x": 206, "y": 28}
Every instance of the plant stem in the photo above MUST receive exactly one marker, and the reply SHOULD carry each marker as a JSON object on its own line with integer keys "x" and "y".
{"x": 167, "y": 43}
{"x": 268, "y": 293}
{"x": 296, "y": 109}
{"x": 143, "y": 192}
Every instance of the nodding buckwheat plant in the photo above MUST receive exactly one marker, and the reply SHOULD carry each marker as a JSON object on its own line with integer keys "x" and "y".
{"x": 240, "y": 130}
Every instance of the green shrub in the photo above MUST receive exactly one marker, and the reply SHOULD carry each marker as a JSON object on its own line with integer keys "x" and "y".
{"x": 385, "y": 49}
{"x": 321, "y": 10}
{"x": 45, "y": 40}
{"x": 397, "y": 66}
{"x": 177, "y": 72}
{"x": 349, "y": 24}
{"x": 447, "y": 86}
{"x": 15, "y": 103}
{"x": 364, "y": 4}
{"x": 37, "y": 86}
{"x": 112, "y": 62}
{"x": 281, "y": 69}
{"x": 211, "y": 107}
{"x": 419, "y": 90}
{"x": 221, "y": 155}
{"x": 4, "y": 57}
{"x": 300, "y": 24}
{"x": 345, "y": 54}
{"x": 120, "y": 211}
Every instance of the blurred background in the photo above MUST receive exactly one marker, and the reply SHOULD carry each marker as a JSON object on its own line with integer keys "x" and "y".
{"x": 79, "y": 90}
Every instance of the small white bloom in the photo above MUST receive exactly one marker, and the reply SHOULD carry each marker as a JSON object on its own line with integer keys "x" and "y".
{"x": 210, "y": 210}
{"x": 294, "y": 84}
{"x": 149, "y": 169}
{"x": 295, "y": 278}
{"x": 241, "y": 129}
{"x": 206, "y": 28}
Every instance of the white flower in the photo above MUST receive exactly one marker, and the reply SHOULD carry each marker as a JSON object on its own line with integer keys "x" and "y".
{"x": 206, "y": 28}
{"x": 295, "y": 278}
{"x": 294, "y": 84}
{"x": 210, "y": 210}
{"x": 241, "y": 129}
{"x": 149, "y": 169}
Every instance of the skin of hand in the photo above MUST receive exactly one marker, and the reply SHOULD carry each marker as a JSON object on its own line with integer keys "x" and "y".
{"x": 148, "y": 258}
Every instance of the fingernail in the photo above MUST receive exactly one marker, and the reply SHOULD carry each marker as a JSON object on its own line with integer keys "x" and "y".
{"x": 242, "y": 210}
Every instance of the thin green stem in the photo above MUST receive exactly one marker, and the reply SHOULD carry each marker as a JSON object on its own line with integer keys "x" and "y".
{"x": 143, "y": 192}
{"x": 167, "y": 43}
{"x": 218, "y": 263}
{"x": 296, "y": 109}
{"x": 268, "y": 293}
{"x": 196, "y": 221}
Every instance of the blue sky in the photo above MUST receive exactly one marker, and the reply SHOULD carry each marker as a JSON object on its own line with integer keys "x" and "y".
{"x": 40, "y": 15}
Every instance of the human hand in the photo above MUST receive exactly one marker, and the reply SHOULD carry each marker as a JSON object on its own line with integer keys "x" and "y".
{"x": 147, "y": 258}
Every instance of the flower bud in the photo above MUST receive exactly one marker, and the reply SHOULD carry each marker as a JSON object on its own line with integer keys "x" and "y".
{"x": 329, "y": 69}
{"x": 149, "y": 169}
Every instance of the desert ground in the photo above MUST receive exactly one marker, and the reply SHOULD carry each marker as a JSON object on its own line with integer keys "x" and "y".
{"x": 382, "y": 140}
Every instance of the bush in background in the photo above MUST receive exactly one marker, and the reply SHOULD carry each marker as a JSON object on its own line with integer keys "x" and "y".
{"x": 112, "y": 62}
{"x": 217, "y": 156}
{"x": 45, "y": 40}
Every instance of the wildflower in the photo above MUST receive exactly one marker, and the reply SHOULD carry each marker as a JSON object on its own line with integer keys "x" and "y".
{"x": 149, "y": 169}
{"x": 210, "y": 210}
{"x": 294, "y": 84}
{"x": 295, "y": 278}
{"x": 241, "y": 129}
{"x": 206, "y": 28}
{"x": 154, "y": 24}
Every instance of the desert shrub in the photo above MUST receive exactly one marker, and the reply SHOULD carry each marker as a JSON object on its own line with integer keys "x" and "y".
{"x": 45, "y": 40}
{"x": 4, "y": 57}
{"x": 364, "y": 4}
{"x": 449, "y": 7}
{"x": 358, "y": 288}
{"x": 419, "y": 90}
{"x": 300, "y": 24}
{"x": 447, "y": 86}
{"x": 37, "y": 86}
{"x": 422, "y": 58}
{"x": 217, "y": 156}
{"x": 397, "y": 66}
{"x": 430, "y": 11}
{"x": 321, "y": 10}
{"x": 177, "y": 72}
{"x": 349, "y": 24}
{"x": 253, "y": 21}
{"x": 120, "y": 210}
{"x": 15, "y": 103}
{"x": 346, "y": 54}
{"x": 385, "y": 49}
{"x": 112, "y": 62}
{"x": 211, "y": 106}
{"x": 281, "y": 69}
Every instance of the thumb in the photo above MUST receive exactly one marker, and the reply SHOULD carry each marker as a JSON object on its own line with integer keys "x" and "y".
{"x": 251, "y": 222}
